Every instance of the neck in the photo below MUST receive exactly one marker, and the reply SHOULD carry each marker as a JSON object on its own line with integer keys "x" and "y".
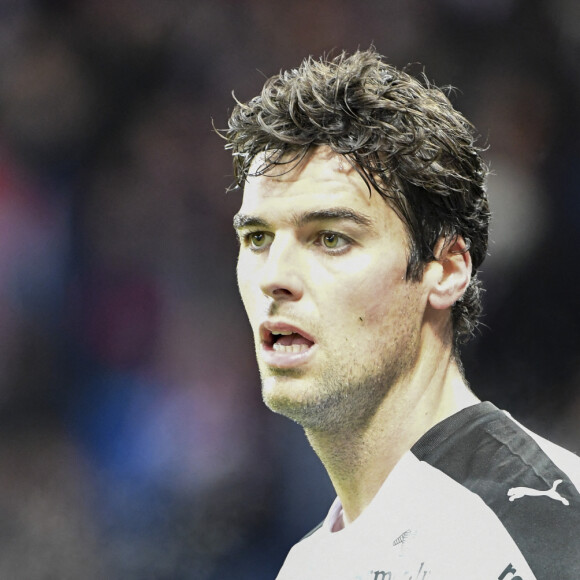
{"x": 359, "y": 460}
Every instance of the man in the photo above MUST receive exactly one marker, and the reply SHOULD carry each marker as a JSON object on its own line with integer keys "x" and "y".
{"x": 363, "y": 222}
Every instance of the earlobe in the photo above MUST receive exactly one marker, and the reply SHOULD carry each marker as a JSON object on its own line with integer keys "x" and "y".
{"x": 453, "y": 262}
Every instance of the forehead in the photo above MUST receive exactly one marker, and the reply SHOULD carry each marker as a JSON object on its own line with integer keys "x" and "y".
{"x": 322, "y": 180}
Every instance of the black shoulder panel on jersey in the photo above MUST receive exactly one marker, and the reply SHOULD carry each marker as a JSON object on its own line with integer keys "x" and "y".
{"x": 485, "y": 451}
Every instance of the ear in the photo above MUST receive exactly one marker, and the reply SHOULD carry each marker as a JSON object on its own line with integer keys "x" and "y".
{"x": 452, "y": 272}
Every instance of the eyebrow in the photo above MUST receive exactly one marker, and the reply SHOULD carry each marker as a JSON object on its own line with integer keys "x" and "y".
{"x": 248, "y": 221}
{"x": 332, "y": 214}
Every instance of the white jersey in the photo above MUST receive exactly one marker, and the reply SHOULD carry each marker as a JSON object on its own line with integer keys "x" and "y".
{"x": 478, "y": 497}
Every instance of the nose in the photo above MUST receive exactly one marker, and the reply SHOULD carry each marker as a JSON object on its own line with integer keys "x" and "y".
{"x": 282, "y": 275}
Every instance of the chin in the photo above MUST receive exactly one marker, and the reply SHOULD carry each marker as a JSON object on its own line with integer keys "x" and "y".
{"x": 281, "y": 390}
{"x": 282, "y": 395}
{"x": 306, "y": 416}
{"x": 312, "y": 413}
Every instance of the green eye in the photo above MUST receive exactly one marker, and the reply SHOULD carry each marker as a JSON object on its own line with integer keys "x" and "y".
{"x": 257, "y": 239}
{"x": 335, "y": 243}
{"x": 330, "y": 240}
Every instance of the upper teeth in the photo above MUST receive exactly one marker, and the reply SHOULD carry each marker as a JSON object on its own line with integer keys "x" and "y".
{"x": 282, "y": 332}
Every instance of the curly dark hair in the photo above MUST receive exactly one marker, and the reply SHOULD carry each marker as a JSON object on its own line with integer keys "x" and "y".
{"x": 400, "y": 133}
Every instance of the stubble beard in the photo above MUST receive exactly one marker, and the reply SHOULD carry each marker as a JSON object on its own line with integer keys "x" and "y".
{"x": 342, "y": 399}
{"x": 345, "y": 396}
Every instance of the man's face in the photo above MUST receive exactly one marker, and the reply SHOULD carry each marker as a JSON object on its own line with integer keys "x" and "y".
{"x": 321, "y": 272}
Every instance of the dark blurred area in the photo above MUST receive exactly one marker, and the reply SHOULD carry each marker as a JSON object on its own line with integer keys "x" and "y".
{"x": 133, "y": 441}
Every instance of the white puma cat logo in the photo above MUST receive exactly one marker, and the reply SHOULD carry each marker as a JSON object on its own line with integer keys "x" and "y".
{"x": 518, "y": 492}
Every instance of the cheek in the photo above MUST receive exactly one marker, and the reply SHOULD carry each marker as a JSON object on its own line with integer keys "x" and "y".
{"x": 387, "y": 308}
{"x": 377, "y": 292}
{"x": 245, "y": 286}
{"x": 349, "y": 284}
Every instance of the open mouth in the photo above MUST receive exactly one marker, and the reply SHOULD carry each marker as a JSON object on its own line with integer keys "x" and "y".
{"x": 287, "y": 342}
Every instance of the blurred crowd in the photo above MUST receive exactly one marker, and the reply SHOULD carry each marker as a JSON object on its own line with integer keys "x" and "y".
{"x": 133, "y": 441}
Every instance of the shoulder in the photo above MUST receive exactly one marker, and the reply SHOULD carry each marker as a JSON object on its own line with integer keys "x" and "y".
{"x": 531, "y": 484}
{"x": 564, "y": 459}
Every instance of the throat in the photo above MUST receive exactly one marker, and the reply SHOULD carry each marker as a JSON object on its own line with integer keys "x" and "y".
{"x": 356, "y": 466}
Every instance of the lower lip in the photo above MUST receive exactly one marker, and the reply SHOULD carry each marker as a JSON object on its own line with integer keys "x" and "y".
{"x": 286, "y": 360}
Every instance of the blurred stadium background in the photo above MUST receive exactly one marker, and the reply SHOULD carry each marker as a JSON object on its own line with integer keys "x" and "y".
{"x": 133, "y": 442}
